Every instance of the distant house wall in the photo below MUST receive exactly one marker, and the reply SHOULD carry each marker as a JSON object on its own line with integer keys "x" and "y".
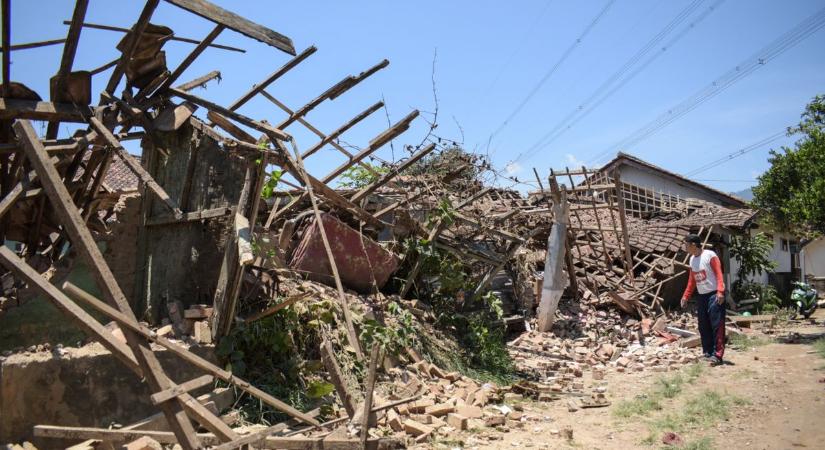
{"x": 661, "y": 183}
{"x": 781, "y": 276}
{"x": 815, "y": 258}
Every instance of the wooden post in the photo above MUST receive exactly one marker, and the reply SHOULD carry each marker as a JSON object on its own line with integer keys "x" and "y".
{"x": 375, "y": 355}
{"x": 82, "y": 240}
{"x": 69, "y": 51}
{"x": 554, "y": 280}
{"x": 337, "y": 378}
{"x": 623, "y": 220}
{"x": 342, "y": 298}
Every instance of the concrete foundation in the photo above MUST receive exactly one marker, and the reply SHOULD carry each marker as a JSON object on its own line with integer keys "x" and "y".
{"x": 84, "y": 386}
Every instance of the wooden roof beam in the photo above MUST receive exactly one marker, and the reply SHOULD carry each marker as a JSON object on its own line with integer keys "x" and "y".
{"x": 67, "y": 60}
{"x": 271, "y": 78}
{"x": 333, "y": 93}
{"x": 218, "y": 15}
{"x": 173, "y": 38}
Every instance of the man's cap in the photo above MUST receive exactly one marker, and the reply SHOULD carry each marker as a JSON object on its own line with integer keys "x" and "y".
{"x": 693, "y": 239}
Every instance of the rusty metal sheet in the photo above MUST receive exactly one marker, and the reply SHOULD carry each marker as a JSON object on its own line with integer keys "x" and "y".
{"x": 356, "y": 256}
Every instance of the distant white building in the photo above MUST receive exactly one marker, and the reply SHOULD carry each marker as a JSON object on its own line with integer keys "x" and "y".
{"x": 812, "y": 262}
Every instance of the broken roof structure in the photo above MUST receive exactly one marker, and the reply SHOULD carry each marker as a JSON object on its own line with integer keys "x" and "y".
{"x": 206, "y": 240}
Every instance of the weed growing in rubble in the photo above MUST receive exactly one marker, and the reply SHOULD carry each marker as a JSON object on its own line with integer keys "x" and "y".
{"x": 359, "y": 176}
{"x": 393, "y": 338}
{"x": 271, "y": 183}
{"x": 270, "y": 354}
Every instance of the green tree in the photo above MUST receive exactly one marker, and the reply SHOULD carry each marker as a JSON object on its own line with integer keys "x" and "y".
{"x": 792, "y": 191}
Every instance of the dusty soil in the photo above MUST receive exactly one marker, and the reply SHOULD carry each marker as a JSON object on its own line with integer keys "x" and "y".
{"x": 780, "y": 403}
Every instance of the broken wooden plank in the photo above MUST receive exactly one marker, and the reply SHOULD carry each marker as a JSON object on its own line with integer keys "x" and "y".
{"x": 33, "y": 110}
{"x": 132, "y": 38}
{"x": 369, "y": 388}
{"x": 200, "y": 81}
{"x": 190, "y": 58}
{"x": 248, "y": 95}
{"x": 172, "y": 38}
{"x": 197, "y": 361}
{"x": 275, "y": 308}
{"x": 39, "y": 44}
{"x": 342, "y": 298}
{"x": 392, "y": 173}
{"x": 623, "y": 221}
{"x": 325, "y": 139}
{"x": 66, "y": 61}
{"x": 337, "y": 377}
{"x": 376, "y": 143}
{"x": 262, "y": 127}
{"x": 233, "y": 130}
{"x": 746, "y": 321}
{"x": 178, "y": 389}
{"x": 214, "y": 13}
{"x": 190, "y": 216}
{"x": 332, "y": 93}
{"x": 237, "y": 254}
{"x": 341, "y": 130}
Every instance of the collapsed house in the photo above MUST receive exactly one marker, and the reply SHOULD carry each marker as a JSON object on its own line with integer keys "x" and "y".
{"x": 196, "y": 240}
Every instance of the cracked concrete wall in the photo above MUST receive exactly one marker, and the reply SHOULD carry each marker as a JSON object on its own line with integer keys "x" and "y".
{"x": 84, "y": 386}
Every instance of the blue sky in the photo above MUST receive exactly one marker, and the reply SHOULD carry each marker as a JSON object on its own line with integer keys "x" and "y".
{"x": 490, "y": 56}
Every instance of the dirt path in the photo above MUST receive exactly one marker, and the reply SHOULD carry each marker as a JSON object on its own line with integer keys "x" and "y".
{"x": 774, "y": 396}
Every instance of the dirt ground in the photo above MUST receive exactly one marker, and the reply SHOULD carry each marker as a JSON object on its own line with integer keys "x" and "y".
{"x": 775, "y": 393}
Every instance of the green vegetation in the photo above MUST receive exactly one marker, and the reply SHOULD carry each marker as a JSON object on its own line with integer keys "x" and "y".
{"x": 754, "y": 256}
{"x": 819, "y": 346}
{"x": 271, "y": 183}
{"x": 663, "y": 414}
{"x": 706, "y": 409}
{"x": 270, "y": 353}
{"x": 394, "y": 337}
{"x": 703, "y": 443}
{"x": 664, "y": 388}
{"x": 744, "y": 342}
{"x": 359, "y": 176}
{"x": 792, "y": 191}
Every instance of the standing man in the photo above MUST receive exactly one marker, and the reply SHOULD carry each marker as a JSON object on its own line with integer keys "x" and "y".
{"x": 706, "y": 277}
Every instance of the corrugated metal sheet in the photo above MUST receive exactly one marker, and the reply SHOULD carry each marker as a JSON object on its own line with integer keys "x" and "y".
{"x": 356, "y": 256}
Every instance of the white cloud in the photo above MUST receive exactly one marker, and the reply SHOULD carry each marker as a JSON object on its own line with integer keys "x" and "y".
{"x": 512, "y": 168}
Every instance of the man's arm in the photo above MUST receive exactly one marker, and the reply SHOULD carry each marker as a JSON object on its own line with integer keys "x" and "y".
{"x": 689, "y": 289}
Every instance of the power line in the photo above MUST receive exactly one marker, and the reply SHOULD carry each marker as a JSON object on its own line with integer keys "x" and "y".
{"x": 804, "y": 29}
{"x": 519, "y": 46}
{"x": 592, "y": 102}
{"x": 555, "y": 67}
{"x": 736, "y": 154}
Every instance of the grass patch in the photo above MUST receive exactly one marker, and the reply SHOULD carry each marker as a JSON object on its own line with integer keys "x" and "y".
{"x": 664, "y": 388}
{"x": 744, "y": 342}
{"x": 704, "y": 443}
{"x": 704, "y": 410}
{"x": 744, "y": 374}
{"x": 819, "y": 347}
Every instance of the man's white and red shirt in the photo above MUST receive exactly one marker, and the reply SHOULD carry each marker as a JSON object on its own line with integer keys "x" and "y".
{"x": 705, "y": 274}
